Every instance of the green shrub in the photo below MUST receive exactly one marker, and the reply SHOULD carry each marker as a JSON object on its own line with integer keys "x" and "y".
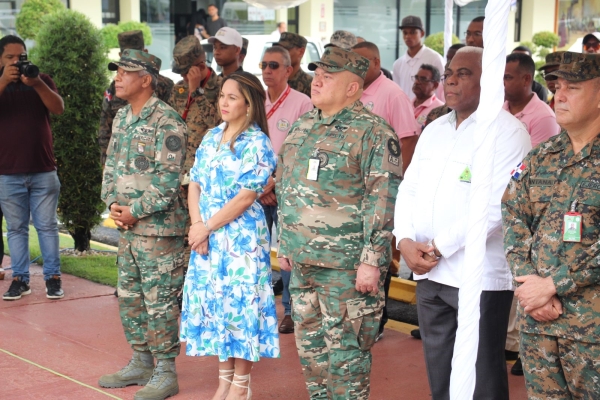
{"x": 546, "y": 39}
{"x": 29, "y": 19}
{"x": 111, "y": 32}
{"x": 70, "y": 49}
{"x": 541, "y": 45}
{"x": 436, "y": 42}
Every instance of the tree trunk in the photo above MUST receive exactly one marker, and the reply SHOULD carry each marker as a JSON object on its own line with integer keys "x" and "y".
{"x": 81, "y": 237}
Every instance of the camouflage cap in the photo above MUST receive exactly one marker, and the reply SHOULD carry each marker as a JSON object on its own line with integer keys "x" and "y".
{"x": 137, "y": 60}
{"x": 185, "y": 54}
{"x": 577, "y": 67}
{"x": 289, "y": 40}
{"x": 131, "y": 40}
{"x": 336, "y": 59}
{"x": 552, "y": 60}
{"x": 343, "y": 39}
{"x": 244, "y": 49}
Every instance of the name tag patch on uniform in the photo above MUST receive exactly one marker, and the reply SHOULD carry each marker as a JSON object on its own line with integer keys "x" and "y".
{"x": 544, "y": 182}
{"x": 142, "y": 163}
{"x": 173, "y": 143}
{"x": 143, "y": 138}
{"x": 141, "y": 147}
{"x": 590, "y": 185}
{"x": 283, "y": 124}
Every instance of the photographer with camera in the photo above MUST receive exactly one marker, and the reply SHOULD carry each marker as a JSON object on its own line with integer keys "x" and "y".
{"x": 29, "y": 184}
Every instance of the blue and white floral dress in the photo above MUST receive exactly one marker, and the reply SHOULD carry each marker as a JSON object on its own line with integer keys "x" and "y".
{"x": 228, "y": 302}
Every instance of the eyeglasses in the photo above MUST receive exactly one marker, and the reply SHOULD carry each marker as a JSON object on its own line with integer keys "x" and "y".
{"x": 459, "y": 74}
{"x": 595, "y": 46}
{"x": 474, "y": 34}
{"x": 420, "y": 79}
{"x": 271, "y": 64}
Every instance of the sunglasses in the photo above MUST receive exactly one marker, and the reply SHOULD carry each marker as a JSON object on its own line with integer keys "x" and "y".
{"x": 271, "y": 64}
{"x": 591, "y": 46}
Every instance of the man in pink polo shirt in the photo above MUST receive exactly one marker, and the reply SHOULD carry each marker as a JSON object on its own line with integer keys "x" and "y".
{"x": 383, "y": 98}
{"x": 425, "y": 83}
{"x": 283, "y": 106}
{"x": 520, "y": 101}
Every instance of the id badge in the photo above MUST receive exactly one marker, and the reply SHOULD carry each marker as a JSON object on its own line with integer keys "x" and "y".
{"x": 313, "y": 169}
{"x": 572, "y": 225}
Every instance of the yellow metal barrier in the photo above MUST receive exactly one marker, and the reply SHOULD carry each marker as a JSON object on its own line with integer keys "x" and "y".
{"x": 400, "y": 289}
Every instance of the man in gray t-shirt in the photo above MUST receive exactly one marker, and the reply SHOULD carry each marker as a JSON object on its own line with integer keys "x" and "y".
{"x": 213, "y": 23}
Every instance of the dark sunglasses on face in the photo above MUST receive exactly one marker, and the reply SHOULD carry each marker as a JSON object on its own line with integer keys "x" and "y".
{"x": 591, "y": 46}
{"x": 271, "y": 64}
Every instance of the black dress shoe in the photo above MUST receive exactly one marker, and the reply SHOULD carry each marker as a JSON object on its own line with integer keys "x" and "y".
{"x": 278, "y": 287}
{"x": 511, "y": 355}
{"x": 416, "y": 333}
{"x": 517, "y": 369}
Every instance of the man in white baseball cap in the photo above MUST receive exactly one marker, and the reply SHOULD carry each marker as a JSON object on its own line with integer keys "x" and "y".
{"x": 227, "y": 44}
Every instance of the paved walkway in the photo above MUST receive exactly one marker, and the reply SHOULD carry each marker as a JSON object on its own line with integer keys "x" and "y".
{"x": 57, "y": 350}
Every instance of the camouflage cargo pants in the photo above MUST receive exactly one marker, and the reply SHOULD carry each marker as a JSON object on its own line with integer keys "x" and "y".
{"x": 150, "y": 276}
{"x": 335, "y": 328}
{"x": 560, "y": 369}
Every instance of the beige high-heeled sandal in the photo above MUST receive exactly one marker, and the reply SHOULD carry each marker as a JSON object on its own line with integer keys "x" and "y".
{"x": 227, "y": 374}
{"x": 239, "y": 383}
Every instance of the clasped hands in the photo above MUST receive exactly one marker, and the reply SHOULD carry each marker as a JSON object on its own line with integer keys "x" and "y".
{"x": 122, "y": 216}
{"x": 416, "y": 255}
{"x": 198, "y": 238}
{"x": 538, "y": 298}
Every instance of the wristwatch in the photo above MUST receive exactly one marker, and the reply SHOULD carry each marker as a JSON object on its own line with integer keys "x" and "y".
{"x": 432, "y": 254}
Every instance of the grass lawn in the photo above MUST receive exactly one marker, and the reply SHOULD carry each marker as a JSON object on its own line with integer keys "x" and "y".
{"x": 100, "y": 269}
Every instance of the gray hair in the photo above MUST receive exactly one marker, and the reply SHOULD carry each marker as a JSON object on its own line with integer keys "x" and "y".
{"x": 154, "y": 81}
{"x": 435, "y": 73}
{"x": 287, "y": 61}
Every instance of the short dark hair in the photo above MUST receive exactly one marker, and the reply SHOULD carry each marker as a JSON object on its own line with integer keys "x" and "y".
{"x": 456, "y": 46}
{"x": 367, "y": 45}
{"x": 212, "y": 5}
{"x": 11, "y": 39}
{"x": 435, "y": 73}
{"x": 523, "y": 48}
{"x": 525, "y": 62}
{"x": 478, "y": 19}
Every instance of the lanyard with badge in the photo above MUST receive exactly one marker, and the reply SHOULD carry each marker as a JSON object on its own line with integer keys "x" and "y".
{"x": 572, "y": 224}
{"x": 189, "y": 100}
{"x": 279, "y": 102}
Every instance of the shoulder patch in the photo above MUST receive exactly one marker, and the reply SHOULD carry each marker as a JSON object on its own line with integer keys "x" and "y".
{"x": 173, "y": 142}
{"x": 393, "y": 146}
{"x": 518, "y": 171}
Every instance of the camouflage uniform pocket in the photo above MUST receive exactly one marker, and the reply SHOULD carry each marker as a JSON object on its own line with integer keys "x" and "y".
{"x": 364, "y": 319}
{"x": 168, "y": 262}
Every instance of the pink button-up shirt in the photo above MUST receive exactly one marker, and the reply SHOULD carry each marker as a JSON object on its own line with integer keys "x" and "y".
{"x": 385, "y": 99}
{"x": 423, "y": 109}
{"x": 539, "y": 120}
{"x": 288, "y": 112}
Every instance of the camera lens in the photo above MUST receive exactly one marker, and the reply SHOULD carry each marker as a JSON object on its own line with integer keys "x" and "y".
{"x": 31, "y": 71}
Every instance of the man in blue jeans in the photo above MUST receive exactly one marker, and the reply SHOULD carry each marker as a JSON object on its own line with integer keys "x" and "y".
{"x": 29, "y": 184}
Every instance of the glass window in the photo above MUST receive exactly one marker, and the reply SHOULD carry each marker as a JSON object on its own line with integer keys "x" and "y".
{"x": 110, "y": 12}
{"x": 467, "y": 13}
{"x": 157, "y": 14}
{"x": 248, "y": 20}
{"x": 358, "y": 16}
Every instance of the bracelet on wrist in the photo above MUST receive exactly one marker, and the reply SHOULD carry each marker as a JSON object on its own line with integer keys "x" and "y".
{"x": 206, "y": 226}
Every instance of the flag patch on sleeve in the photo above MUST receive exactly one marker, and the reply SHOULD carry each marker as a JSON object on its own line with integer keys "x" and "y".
{"x": 518, "y": 171}
{"x": 107, "y": 95}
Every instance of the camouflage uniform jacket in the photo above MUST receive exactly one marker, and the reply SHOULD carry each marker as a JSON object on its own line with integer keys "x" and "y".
{"x": 111, "y": 104}
{"x": 345, "y": 217}
{"x": 203, "y": 114}
{"x": 301, "y": 82}
{"x": 143, "y": 164}
{"x": 436, "y": 113}
{"x": 533, "y": 208}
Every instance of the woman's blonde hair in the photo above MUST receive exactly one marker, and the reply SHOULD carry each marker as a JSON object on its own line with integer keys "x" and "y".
{"x": 254, "y": 95}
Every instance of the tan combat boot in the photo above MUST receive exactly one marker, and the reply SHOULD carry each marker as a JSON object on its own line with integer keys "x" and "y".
{"x": 163, "y": 383}
{"x": 137, "y": 372}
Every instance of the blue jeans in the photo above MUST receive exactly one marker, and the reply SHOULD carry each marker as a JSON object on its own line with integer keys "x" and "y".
{"x": 271, "y": 217}
{"x": 22, "y": 195}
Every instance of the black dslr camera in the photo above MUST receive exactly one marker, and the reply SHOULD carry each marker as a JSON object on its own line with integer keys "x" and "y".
{"x": 26, "y": 68}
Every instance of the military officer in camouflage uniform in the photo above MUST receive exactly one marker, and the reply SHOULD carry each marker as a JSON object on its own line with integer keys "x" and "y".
{"x": 551, "y": 212}
{"x": 296, "y": 46}
{"x": 552, "y": 64}
{"x": 337, "y": 179}
{"x": 195, "y": 98}
{"x": 141, "y": 189}
{"x": 111, "y": 103}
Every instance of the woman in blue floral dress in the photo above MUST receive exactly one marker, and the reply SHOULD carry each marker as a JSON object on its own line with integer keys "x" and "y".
{"x": 228, "y": 302}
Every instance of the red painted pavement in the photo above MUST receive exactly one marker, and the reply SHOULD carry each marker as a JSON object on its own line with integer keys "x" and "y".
{"x": 81, "y": 337}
